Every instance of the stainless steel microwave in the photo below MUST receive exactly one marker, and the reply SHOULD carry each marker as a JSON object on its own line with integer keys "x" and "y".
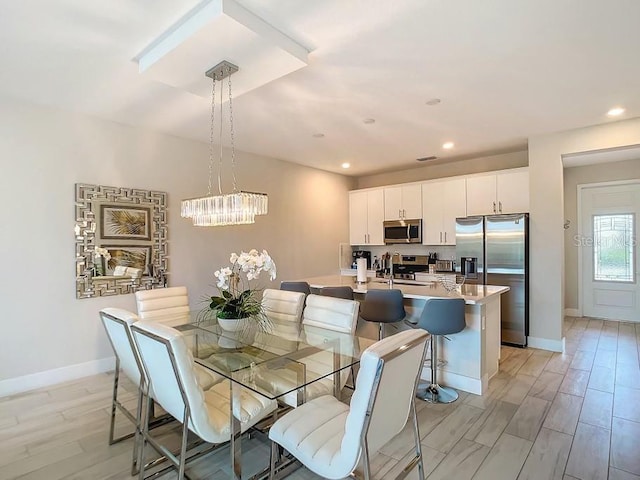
{"x": 403, "y": 231}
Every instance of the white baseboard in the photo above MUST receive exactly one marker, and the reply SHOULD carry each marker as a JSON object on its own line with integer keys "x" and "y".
{"x": 546, "y": 344}
{"x": 16, "y": 385}
{"x": 459, "y": 382}
{"x": 572, "y": 312}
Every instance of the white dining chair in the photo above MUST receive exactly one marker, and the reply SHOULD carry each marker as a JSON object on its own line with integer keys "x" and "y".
{"x": 117, "y": 323}
{"x": 283, "y": 305}
{"x": 169, "y": 366}
{"x": 325, "y": 321}
{"x": 170, "y": 302}
{"x": 333, "y": 439}
{"x": 332, "y": 313}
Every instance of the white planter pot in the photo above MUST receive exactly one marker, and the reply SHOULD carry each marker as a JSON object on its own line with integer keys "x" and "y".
{"x": 233, "y": 324}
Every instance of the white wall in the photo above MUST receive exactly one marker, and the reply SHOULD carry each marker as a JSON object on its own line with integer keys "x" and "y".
{"x": 547, "y": 217}
{"x": 446, "y": 168}
{"x": 44, "y": 152}
{"x": 604, "y": 172}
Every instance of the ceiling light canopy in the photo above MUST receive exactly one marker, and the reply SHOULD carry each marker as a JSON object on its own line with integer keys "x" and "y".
{"x": 237, "y": 207}
{"x": 448, "y": 145}
{"x": 346, "y": 165}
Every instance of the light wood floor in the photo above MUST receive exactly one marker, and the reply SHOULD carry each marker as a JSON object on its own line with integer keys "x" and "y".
{"x": 546, "y": 416}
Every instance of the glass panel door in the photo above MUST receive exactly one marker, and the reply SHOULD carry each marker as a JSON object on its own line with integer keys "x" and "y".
{"x": 613, "y": 246}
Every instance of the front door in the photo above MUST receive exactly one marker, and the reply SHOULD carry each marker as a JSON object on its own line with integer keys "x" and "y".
{"x": 609, "y": 225}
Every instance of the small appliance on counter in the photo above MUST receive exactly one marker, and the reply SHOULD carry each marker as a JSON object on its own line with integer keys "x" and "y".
{"x": 443, "y": 266}
{"x": 361, "y": 254}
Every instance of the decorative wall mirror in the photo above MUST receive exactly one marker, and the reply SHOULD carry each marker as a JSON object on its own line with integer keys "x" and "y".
{"x": 121, "y": 240}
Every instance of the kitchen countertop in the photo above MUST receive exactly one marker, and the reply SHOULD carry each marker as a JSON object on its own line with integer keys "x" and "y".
{"x": 472, "y": 294}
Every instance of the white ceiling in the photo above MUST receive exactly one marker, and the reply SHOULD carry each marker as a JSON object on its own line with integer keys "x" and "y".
{"x": 505, "y": 70}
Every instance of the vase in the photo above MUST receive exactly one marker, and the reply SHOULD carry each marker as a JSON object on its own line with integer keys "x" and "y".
{"x": 233, "y": 324}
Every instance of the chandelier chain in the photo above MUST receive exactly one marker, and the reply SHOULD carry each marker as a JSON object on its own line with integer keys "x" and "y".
{"x": 231, "y": 132}
{"x": 213, "y": 109}
{"x": 221, "y": 122}
{"x": 237, "y": 207}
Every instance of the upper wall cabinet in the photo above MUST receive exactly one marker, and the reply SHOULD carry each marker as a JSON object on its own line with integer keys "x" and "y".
{"x": 442, "y": 203}
{"x": 499, "y": 193}
{"x": 366, "y": 215}
{"x": 402, "y": 202}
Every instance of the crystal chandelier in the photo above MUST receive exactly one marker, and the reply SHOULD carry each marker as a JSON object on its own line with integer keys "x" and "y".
{"x": 238, "y": 207}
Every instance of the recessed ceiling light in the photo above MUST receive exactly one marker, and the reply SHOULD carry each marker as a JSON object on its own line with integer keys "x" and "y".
{"x": 318, "y": 135}
{"x": 448, "y": 145}
{"x": 614, "y": 112}
{"x": 369, "y": 121}
{"x": 433, "y": 101}
{"x": 346, "y": 165}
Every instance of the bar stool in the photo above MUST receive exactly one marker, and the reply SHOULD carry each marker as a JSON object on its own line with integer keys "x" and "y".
{"x": 345, "y": 292}
{"x": 296, "y": 287}
{"x": 440, "y": 316}
{"x": 383, "y": 306}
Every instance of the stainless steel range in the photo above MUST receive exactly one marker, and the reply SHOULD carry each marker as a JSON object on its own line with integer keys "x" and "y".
{"x": 405, "y": 267}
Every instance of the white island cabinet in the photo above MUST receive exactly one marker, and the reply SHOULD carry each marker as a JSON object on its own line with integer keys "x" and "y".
{"x": 471, "y": 355}
{"x": 442, "y": 203}
{"x": 366, "y": 216}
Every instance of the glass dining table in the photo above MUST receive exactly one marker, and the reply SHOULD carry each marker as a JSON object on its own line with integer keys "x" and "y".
{"x": 279, "y": 362}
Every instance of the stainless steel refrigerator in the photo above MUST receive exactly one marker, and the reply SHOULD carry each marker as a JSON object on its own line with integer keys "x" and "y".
{"x": 494, "y": 250}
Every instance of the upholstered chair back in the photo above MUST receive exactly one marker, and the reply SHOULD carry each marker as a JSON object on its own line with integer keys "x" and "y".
{"x": 169, "y": 366}
{"x": 283, "y": 305}
{"x": 164, "y": 302}
{"x": 117, "y": 323}
{"x": 330, "y": 315}
{"x": 390, "y": 400}
{"x": 333, "y": 313}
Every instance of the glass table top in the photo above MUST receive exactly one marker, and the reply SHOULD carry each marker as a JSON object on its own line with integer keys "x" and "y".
{"x": 281, "y": 359}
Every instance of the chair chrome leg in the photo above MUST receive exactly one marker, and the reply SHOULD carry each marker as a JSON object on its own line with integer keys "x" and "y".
{"x": 138, "y": 435}
{"x": 183, "y": 446}
{"x": 416, "y": 434}
{"x": 380, "y": 330}
{"x": 273, "y": 460}
{"x": 114, "y": 401}
{"x": 143, "y": 436}
{"x": 435, "y": 393}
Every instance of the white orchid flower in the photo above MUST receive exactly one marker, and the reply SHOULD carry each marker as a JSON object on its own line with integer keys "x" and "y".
{"x": 234, "y": 258}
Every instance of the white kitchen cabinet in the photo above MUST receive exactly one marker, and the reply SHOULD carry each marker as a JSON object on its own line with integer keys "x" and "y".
{"x": 442, "y": 203}
{"x": 366, "y": 215}
{"x": 500, "y": 193}
{"x": 513, "y": 192}
{"x": 402, "y": 202}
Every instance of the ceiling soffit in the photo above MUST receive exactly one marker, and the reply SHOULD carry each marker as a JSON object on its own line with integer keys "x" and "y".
{"x": 214, "y": 31}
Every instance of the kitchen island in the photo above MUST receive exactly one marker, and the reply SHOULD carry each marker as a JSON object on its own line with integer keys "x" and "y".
{"x": 472, "y": 355}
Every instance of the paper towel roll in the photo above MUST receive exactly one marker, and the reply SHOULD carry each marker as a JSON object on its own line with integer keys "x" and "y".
{"x": 361, "y": 272}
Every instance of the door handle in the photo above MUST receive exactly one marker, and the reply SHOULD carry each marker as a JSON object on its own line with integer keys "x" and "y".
{"x": 404, "y": 213}
{"x": 494, "y": 207}
{"x": 440, "y": 237}
{"x": 500, "y": 206}
{"x": 445, "y": 237}
{"x": 399, "y": 213}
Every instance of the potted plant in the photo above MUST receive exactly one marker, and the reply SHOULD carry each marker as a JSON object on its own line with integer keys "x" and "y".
{"x": 239, "y": 303}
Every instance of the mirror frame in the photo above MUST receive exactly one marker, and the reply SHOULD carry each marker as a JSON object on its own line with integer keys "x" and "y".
{"x": 89, "y": 199}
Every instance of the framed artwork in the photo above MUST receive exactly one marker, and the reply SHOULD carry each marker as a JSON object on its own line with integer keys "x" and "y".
{"x": 131, "y": 223}
{"x": 125, "y": 222}
{"x": 135, "y": 256}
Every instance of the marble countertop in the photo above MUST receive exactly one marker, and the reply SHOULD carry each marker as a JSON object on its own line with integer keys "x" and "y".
{"x": 472, "y": 294}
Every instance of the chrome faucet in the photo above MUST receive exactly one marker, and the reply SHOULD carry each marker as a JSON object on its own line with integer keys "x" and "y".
{"x": 391, "y": 269}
